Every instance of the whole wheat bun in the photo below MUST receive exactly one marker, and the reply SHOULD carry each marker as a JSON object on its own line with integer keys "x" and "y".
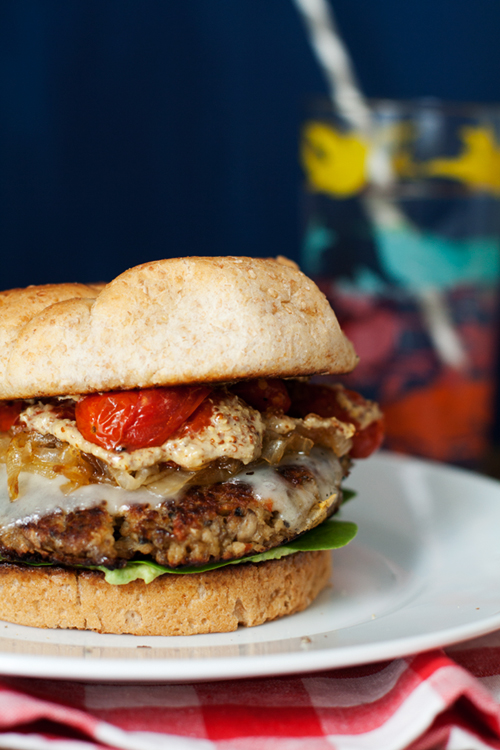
{"x": 213, "y": 602}
{"x": 181, "y": 320}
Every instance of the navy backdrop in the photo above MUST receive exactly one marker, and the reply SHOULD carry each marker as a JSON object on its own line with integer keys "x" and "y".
{"x": 133, "y": 131}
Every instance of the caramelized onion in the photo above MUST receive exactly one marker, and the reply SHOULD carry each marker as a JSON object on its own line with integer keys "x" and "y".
{"x": 275, "y": 448}
{"x": 48, "y": 456}
{"x": 217, "y": 471}
{"x": 5, "y": 439}
{"x": 328, "y": 432}
{"x": 170, "y": 482}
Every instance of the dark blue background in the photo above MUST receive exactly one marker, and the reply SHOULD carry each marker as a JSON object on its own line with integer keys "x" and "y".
{"x": 131, "y": 130}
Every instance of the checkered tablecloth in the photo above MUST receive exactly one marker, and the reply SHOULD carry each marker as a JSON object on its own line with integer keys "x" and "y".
{"x": 439, "y": 699}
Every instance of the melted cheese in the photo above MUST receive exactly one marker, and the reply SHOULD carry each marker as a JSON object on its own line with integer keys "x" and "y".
{"x": 40, "y": 496}
{"x": 292, "y": 503}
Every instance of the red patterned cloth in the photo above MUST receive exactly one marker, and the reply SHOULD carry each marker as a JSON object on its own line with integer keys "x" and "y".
{"x": 436, "y": 700}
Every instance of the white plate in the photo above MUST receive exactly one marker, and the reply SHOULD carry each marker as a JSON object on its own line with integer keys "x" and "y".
{"x": 423, "y": 572}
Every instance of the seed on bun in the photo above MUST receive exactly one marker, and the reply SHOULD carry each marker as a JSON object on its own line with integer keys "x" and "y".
{"x": 163, "y": 453}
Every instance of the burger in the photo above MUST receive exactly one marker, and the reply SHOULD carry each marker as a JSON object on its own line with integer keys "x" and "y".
{"x": 167, "y": 467}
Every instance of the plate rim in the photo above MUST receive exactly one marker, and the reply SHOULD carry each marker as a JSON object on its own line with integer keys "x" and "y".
{"x": 118, "y": 670}
{"x": 187, "y": 669}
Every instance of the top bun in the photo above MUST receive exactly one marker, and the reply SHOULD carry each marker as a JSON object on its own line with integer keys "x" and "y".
{"x": 181, "y": 320}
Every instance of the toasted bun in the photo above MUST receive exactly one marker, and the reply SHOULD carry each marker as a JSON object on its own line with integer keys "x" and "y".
{"x": 213, "y": 602}
{"x": 182, "y": 320}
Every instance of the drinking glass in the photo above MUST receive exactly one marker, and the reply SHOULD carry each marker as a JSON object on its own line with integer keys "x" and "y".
{"x": 402, "y": 232}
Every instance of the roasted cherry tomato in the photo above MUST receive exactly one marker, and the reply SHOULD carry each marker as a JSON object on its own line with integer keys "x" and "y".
{"x": 310, "y": 398}
{"x": 264, "y": 393}
{"x": 128, "y": 420}
{"x": 200, "y": 418}
{"x": 367, "y": 441}
{"x": 9, "y": 412}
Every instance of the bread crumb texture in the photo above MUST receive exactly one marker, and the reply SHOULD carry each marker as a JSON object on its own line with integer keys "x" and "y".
{"x": 213, "y": 602}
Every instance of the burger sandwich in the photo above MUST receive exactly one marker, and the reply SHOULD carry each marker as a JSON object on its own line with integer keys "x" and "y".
{"x": 166, "y": 465}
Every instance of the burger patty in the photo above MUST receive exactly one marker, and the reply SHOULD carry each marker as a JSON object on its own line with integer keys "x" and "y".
{"x": 202, "y": 524}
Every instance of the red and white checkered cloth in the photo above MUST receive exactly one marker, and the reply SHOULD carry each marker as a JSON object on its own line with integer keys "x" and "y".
{"x": 440, "y": 699}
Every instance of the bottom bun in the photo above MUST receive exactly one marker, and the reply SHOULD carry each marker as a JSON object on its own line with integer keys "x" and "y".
{"x": 213, "y": 602}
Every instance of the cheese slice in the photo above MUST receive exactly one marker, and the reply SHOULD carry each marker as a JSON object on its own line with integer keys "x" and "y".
{"x": 40, "y": 496}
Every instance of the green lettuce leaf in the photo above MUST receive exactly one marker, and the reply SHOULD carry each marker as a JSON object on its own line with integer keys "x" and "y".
{"x": 348, "y": 495}
{"x": 331, "y": 534}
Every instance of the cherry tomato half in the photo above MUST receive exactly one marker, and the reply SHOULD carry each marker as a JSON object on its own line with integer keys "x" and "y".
{"x": 264, "y": 393}
{"x": 367, "y": 441}
{"x": 9, "y": 412}
{"x": 128, "y": 420}
{"x": 310, "y": 398}
{"x": 202, "y": 417}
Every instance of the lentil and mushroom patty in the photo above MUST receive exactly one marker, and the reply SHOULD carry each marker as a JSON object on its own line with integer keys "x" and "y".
{"x": 252, "y": 512}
